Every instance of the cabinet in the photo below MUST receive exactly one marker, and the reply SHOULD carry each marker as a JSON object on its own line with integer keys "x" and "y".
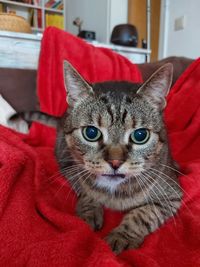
{"x": 21, "y": 50}
{"x": 134, "y": 54}
{"x": 39, "y": 13}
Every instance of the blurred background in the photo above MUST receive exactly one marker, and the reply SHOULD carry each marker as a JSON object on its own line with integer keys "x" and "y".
{"x": 154, "y": 29}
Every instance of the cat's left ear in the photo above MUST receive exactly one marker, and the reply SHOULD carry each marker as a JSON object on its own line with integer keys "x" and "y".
{"x": 158, "y": 85}
{"x": 76, "y": 87}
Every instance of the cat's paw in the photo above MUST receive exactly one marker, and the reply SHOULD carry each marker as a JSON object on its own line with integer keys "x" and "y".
{"x": 119, "y": 241}
{"x": 93, "y": 217}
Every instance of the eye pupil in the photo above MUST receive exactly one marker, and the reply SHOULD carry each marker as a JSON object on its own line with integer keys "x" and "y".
{"x": 91, "y": 133}
{"x": 140, "y": 136}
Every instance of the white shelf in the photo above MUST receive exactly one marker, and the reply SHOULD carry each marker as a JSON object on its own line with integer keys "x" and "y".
{"x": 20, "y": 36}
{"x": 35, "y": 29}
{"x": 120, "y": 48}
{"x": 134, "y": 54}
{"x": 20, "y": 4}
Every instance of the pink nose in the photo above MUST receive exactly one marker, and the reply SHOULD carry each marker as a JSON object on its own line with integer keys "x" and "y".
{"x": 115, "y": 163}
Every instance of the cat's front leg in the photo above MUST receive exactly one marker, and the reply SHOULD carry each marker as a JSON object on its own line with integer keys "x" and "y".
{"x": 137, "y": 224}
{"x": 90, "y": 211}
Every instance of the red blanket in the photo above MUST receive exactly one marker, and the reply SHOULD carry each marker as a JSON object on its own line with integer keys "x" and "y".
{"x": 37, "y": 207}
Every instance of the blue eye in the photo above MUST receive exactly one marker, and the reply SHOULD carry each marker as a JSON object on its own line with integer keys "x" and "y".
{"x": 91, "y": 133}
{"x": 140, "y": 136}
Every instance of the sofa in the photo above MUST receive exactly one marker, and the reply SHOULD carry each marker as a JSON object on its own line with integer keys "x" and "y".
{"x": 18, "y": 86}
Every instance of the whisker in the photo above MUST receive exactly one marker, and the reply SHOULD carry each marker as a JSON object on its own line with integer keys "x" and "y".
{"x": 84, "y": 179}
{"x": 66, "y": 181}
{"x": 164, "y": 180}
{"x": 162, "y": 192}
{"x": 151, "y": 200}
{"x": 60, "y": 173}
{"x": 144, "y": 194}
{"x": 179, "y": 172}
{"x": 168, "y": 177}
{"x": 75, "y": 184}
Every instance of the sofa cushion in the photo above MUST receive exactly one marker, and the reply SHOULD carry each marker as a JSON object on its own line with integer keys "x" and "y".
{"x": 18, "y": 87}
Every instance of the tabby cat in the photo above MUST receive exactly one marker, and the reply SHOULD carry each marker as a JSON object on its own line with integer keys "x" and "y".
{"x": 112, "y": 146}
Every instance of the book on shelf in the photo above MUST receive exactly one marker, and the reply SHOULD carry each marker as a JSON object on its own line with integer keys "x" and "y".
{"x": 1, "y": 8}
{"x": 39, "y": 18}
{"x": 49, "y": 3}
{"x": 35, "y": 18}
{"x": 60, "y": 7}
{"x": 57, "y": 5}
{"x": 54, "y": 4}
{"x": 30, "y": 2}
{"x": 55, "y": 20}
{"x": 36, "y": 2}
{"x": 23, "y": 1}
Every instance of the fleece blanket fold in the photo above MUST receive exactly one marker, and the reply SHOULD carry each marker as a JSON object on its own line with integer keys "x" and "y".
{"x": 38, "y": 223}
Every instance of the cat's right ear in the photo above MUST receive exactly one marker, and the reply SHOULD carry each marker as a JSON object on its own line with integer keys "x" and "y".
{"x": 158, "y": 85}
{"x": 76, "y": 87}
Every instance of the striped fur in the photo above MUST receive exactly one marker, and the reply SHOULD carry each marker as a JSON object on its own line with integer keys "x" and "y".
{"x": 37, "y": 116}
{"x": 145, "y": 185}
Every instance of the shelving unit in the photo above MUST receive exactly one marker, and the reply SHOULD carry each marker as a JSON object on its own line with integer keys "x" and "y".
{"x": 57, "y": 16}
{"x": 20, "y": 50}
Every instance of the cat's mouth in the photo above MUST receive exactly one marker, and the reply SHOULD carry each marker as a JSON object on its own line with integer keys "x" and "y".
{"x": 115, "y": 175}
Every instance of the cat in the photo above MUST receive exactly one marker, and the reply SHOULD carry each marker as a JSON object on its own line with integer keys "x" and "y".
{"x": 112, "y": 147}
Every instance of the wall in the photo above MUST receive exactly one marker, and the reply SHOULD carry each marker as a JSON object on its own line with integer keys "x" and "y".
{"x": 92, "y": 12}
{"x": 98, "y": 15}
{"x": 118, "y": 13}
{"x": 184, "y": 42}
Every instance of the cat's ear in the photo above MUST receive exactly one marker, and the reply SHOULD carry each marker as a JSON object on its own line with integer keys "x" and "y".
{"x": 76, "y": 87}
{"x": 158, "y": 85}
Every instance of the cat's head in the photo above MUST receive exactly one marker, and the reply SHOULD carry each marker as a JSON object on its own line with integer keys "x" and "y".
{"x": 116, "y": 134}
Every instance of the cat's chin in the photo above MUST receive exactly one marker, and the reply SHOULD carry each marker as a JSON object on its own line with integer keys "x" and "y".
{"x": 110, "y": 182}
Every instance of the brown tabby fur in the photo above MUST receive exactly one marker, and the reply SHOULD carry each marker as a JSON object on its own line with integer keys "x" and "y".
{"x": 145, "y": 185}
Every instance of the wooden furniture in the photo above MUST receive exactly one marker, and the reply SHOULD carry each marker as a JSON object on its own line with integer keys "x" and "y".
{"x": 23, "y": 9}
{"x": 145, "y": 15}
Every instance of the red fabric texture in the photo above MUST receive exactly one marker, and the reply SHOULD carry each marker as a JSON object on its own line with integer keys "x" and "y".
{"x": 37, "y": 206}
